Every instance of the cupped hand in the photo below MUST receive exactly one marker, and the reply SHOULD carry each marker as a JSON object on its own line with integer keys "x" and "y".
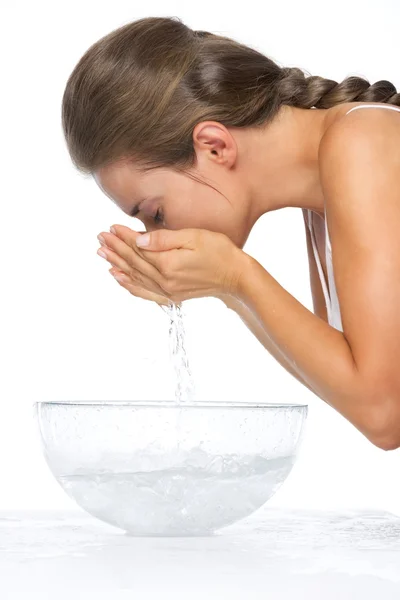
{"x": 177, "y": 265}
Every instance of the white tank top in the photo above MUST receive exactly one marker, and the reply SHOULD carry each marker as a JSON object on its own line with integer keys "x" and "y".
{"x": 329, "y": 290}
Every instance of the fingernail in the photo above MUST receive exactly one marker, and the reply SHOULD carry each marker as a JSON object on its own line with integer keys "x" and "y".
{"x": 113, "y": 230}
{"x": 121, "y": 278}
{"x": 101, "y": 239}
{"x": 143, "y": 240}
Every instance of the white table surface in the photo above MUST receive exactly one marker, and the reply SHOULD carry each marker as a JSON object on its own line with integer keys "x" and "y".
{"x": 275, "y": 554}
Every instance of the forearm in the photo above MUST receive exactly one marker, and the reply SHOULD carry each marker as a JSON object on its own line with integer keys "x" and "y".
{"x": 256, "y": 327}
{"x": 319, "y": 353}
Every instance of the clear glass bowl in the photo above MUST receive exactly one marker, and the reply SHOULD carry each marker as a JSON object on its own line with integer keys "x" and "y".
{"x": 158, "y": 468}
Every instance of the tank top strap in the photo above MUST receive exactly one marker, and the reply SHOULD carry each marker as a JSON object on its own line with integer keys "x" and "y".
{"x": 373, "y": 106}
{"x": 319, "y": 265}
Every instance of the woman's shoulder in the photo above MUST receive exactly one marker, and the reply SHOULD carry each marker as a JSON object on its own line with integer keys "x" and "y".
{"x": 338, "y": 113}
{"x": 349, "y": 132}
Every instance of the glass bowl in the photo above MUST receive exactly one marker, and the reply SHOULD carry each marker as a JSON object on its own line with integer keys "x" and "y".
{"x": 164, "y": 469}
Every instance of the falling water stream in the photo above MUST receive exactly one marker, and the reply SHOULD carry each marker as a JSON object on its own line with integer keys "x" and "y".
{"x": 185, "y": 390}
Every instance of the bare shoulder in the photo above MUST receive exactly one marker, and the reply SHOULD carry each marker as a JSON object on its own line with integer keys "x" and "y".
{"x": 377, "y": 120}
{"x": 363, "y": 136}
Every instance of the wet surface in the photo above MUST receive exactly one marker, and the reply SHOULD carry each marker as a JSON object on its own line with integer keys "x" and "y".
{"x": 290, "y": 553}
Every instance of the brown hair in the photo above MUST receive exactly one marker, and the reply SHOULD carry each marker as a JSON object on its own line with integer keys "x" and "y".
{"x": 138, "y": 92}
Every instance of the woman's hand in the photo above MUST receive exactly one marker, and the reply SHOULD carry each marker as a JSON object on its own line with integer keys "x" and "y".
{"x": 177, "y": 265}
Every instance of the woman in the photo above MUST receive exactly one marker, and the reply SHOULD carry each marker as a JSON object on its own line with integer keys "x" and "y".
{"x": 198, "y": 136}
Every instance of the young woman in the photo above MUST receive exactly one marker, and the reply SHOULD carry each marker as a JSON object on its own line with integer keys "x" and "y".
{"x": 198, "y": 136}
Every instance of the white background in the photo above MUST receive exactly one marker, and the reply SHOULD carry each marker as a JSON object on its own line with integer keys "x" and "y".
{"x": 70, "y": 332}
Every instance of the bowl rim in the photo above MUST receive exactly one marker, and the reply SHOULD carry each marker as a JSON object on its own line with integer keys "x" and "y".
{"x": 169, "y": 404}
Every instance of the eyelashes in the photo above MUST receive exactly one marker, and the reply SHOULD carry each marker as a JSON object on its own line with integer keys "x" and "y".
{"x": 159, "y": 216}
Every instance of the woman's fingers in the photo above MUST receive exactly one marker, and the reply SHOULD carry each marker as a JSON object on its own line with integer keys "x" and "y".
{"x": 128, "y": 253}
{"x": 137, "y": 277}
{"x": 136, "y": 290}
{"x": 115, "y": 259}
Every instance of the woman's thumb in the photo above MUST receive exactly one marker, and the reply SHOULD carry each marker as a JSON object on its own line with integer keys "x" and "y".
{"x": 143, "y": 240}
{"x": 163, "y": 239}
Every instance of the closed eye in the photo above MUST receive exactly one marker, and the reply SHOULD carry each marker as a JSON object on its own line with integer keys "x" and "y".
{"x": 158, "y": 217}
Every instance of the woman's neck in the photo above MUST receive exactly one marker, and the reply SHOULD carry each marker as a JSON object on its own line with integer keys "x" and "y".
{"x": 282, "y": 161}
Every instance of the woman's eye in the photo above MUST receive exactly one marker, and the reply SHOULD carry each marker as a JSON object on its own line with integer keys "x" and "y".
{"x": 159, "y": 217}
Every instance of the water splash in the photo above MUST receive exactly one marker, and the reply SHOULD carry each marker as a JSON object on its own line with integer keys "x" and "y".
{"x": 185, "y": 389}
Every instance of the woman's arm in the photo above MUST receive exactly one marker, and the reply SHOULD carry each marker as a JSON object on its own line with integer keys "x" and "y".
{"x": 317, "y": 352}
{"x": 255, "y": 326}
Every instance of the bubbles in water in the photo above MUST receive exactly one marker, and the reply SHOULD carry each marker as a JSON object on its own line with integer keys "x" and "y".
{"x": 200, "y": 494}
{"x": 185, "y": 389}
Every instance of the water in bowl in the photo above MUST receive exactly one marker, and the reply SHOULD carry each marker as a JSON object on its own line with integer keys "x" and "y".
{"x": 200, "y": 494}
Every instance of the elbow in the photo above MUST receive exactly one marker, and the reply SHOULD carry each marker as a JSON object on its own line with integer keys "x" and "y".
{"x": 383, "y": 427}
{"x": 386, "y": 442}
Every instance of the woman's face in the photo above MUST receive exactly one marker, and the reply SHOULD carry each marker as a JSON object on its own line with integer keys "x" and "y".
{"x": 170, "y": 200}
